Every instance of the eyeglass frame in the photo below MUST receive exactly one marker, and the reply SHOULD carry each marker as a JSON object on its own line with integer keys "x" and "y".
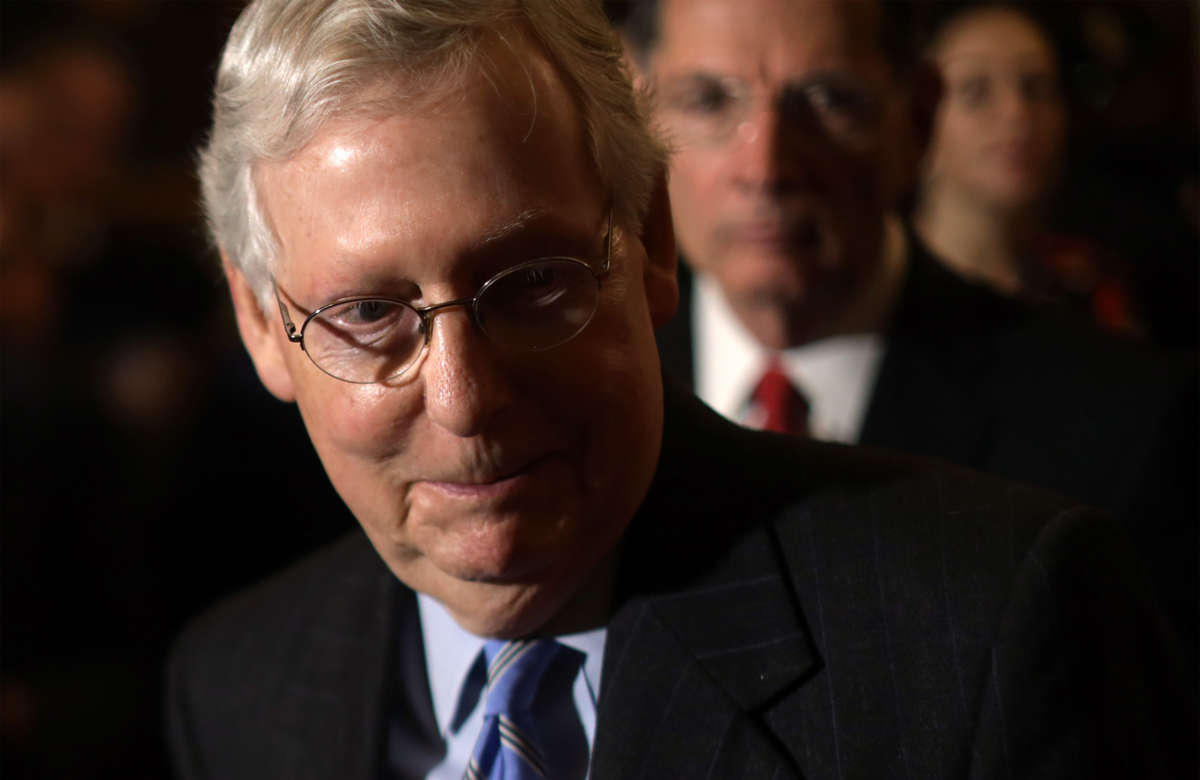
{"x": 785, "y": 101}
{"x": 426, "y": 313}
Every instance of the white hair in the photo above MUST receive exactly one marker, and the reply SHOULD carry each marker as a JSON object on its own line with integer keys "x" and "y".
{"x": 290, "y": 66}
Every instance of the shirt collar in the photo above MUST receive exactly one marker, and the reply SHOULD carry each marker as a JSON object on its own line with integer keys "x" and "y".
{"x": 728, "y": 359}
{"x": 451, "y": 653}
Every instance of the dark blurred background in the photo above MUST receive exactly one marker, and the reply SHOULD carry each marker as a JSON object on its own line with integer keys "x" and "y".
{"x": 145, "y": 472}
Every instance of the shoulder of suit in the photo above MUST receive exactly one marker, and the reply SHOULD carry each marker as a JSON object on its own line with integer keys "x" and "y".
{"x": 718, "y": 474}
{"x": 921, "y": 529}
{"x": 879, "y": 486}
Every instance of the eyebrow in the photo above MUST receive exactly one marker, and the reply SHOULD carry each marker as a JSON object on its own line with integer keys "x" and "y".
{"x": 813, "y": 76}
{"x": 513, "y": 225}
{"x": 376, "y": 282}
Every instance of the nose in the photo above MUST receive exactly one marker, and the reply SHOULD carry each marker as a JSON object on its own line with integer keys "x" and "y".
{"x": 1013, "y": 105}
{"x": 465, "y": 385}
{"x": 761, "y": 157}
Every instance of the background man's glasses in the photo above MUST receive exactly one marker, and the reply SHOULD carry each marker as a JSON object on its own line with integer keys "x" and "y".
{"x": 707, "y": 109}
{"x": 532, "y": 306}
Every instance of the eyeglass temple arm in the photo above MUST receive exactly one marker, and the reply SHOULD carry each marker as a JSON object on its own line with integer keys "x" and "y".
{"x": 288, "y": 326}
{"x": 608, "y": 242}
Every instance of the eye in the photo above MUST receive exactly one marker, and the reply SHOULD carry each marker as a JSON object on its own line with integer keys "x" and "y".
{"x": 539, "y": 285}
{"x": 703, "y": 96}
{"x": 538, "y": 289}
{"x": 366, "y": 312}
{"x": 973, "y": 91}
{"x": 364, "y": 340}
{"x": 369, "y": 317}
{"x": 833, "y": 98}
{"x": 538, "y": 305}
{"x": 846, "y": 109}
{"x": 369, "y": 311}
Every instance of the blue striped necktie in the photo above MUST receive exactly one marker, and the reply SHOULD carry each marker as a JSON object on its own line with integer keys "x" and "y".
{"x": 530, "y": 727}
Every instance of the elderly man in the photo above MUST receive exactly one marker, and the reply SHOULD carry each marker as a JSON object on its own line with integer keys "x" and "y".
{"x": 814, "y": 309}
{"x": 447, "y": 238}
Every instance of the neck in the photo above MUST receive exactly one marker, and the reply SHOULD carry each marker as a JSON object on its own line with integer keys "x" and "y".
{"x": 590, "y": 607}
{"x": 977, "y": 240}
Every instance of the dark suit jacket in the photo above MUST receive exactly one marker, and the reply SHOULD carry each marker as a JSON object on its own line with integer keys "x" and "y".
{"x": 784, "y": 609}
{"x": 1035, "y": 396}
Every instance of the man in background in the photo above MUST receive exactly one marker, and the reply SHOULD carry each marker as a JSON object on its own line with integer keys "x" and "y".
{"x": 797, "y": 128}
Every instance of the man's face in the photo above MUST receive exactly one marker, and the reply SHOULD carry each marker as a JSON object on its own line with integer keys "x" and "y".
{"x": 779, "y": 111}
{"x": 494, "y": 480}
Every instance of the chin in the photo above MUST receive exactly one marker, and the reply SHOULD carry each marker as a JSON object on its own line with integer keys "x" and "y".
{"x": 767, "y": 279}
{"x": 1017, "y": 189}
{"x": 495, "y": 559}
{"x": 1016, "y": 198}
{"x": 510, "y": 611}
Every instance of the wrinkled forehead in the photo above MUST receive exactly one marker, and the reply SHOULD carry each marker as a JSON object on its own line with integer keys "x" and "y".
{"x": 431, "y": 175}
{"x": 772, "y": 37}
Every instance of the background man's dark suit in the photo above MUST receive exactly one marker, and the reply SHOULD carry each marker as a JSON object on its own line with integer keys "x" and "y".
{"x": 993, "y": 384}
{"x": 785, "y": 609}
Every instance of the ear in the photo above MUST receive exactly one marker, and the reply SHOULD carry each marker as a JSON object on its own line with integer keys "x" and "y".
{"x": 660, "y": 276}
{"x": 261, "y": 335}
{"x": 635, "y": 69}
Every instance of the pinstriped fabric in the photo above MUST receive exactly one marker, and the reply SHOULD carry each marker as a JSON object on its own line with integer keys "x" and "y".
{"x": 515, "y": 736}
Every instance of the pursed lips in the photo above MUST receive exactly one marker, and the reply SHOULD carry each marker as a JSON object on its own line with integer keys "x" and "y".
{"x": 796, "y": 233}
{"x": 489, "y": 481}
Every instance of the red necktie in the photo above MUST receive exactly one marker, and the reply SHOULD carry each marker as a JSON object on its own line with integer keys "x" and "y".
{"x": 785, "y": 409}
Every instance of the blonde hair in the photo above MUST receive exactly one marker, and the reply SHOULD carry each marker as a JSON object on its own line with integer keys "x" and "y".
{"x": 290, "y": 66}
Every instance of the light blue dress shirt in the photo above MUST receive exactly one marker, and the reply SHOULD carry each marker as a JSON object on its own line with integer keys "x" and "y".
{"x": 450, "y": 655}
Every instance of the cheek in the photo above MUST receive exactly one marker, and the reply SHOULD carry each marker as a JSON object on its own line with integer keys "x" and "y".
{"x": 695, "y": 199}
{"x": 359, "y": 432}
{"x": 360, "y": 422}
{"x": 956, "y": 140}
{"x": 854, "y": 189}
{"x": 623, "y": 427}
{"x": 620, "y": 356}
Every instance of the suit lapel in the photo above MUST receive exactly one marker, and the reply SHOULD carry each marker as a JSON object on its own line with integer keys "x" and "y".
{"x": 687, "y": 677}
{"x": 709, "y": 635}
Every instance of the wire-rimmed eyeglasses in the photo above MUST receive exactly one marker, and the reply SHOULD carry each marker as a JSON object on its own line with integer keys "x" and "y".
{"x": 532, "y": 306}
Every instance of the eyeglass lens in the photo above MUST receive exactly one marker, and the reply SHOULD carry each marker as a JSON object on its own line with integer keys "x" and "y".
{"x": 538, "y": 305}
{"x": 364, "y": 341}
